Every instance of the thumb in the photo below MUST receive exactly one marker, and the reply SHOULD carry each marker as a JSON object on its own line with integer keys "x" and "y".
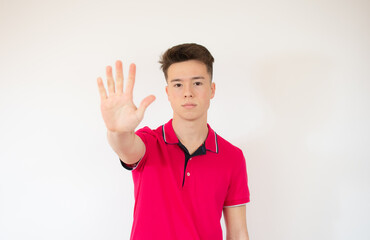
{"x": 144, "y": 104}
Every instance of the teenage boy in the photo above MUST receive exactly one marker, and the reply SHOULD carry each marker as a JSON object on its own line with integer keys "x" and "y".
{"x": 184, "y": 174}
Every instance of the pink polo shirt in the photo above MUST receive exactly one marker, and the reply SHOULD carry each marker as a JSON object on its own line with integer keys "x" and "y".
{"x": 181, "y": 196}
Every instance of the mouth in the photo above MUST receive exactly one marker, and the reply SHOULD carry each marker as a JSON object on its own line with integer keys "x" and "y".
{"x": 189, "y": 105}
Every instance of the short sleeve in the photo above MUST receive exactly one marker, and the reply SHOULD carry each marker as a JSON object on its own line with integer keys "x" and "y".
{"x": 143, "y": 134}
{"x": 238, "y": 191}
{"x": 129, "y": 167}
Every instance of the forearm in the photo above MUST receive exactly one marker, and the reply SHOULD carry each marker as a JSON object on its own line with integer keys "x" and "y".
{"x": 241, "y": 236}
{"x": 236, "y": 223}
{"x": 128, "y": 146}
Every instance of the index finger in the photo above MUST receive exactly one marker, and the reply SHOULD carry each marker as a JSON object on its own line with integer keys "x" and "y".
{"x": 102, "y": 91}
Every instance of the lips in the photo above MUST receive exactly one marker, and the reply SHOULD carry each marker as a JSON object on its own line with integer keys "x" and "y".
{"x": 189, "y": 105}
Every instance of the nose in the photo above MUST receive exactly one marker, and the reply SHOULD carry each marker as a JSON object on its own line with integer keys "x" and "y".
{"x": 188, "y": 91}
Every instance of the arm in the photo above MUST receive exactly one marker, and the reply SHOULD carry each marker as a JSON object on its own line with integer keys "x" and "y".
{"x": 236, "y": 223}
{"x": 120, "y": 114}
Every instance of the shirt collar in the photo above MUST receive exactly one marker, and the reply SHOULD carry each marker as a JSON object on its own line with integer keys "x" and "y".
{"x": 170, "y": 137}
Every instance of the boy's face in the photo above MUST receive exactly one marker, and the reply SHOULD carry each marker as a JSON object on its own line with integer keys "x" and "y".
{"x": 189, "y": 89}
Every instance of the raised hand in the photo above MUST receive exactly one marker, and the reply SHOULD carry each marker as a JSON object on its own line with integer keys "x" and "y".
{"x": 117, "y": 107}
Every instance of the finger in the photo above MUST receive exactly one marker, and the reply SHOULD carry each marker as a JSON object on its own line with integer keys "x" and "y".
{"x": 119, "y": 77}
{"x": 144, "y": 104}
{"x": 102, "y": 91}
{"x": 131, "y": 80}
{"x": 110, "y": 80}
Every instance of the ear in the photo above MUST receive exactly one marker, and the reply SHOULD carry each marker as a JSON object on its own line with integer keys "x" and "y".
{"x": 167, "y": 90}
{"x": 213, "y": 89}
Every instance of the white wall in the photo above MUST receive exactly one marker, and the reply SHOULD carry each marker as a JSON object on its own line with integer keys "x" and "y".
{"x": 292, "y": 91}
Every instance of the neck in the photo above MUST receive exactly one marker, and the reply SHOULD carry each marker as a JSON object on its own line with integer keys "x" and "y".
{"x": 191, "y": 133}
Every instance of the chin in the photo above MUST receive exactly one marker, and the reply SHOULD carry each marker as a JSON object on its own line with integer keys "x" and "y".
{"x": 189, "y": 116}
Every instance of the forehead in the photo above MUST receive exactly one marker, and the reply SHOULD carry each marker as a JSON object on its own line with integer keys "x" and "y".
{"x": 187, "y": 69}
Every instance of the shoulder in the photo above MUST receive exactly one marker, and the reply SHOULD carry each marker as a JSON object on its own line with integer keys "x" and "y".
{"x": 225, "y": 145}
{"x": 147, "y": 132}
{"x": 229, "y": 150}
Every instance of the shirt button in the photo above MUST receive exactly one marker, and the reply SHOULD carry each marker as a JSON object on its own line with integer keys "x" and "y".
{"x": 190, "y": 158}
{"x": 188, "y": 174}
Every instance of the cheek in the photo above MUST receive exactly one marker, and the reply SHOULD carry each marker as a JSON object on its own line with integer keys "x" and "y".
{"x": 177, "y": 93}
{"x": 205, "y": 94}
{"x": 173, "y": 95}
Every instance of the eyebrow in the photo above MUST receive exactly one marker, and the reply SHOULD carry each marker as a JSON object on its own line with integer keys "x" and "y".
{"x": 180, "y": 80}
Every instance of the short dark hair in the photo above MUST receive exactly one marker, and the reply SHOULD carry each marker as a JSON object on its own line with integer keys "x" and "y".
{"x": 185, "y": 52}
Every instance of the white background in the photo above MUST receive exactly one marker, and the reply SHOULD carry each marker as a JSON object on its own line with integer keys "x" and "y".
{"x": 293, "y": 83}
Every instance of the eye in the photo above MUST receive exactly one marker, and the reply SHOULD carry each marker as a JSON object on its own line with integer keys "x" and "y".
{"x": 177, "y": 85}
{"x": 198, "y": 83}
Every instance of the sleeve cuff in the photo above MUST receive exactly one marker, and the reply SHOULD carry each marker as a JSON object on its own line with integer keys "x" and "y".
{"x": 129, "y": 167}
{"x": 235, "y": 205}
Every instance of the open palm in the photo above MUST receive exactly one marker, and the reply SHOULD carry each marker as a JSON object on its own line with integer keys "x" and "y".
{"x": 117, "y": 107}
